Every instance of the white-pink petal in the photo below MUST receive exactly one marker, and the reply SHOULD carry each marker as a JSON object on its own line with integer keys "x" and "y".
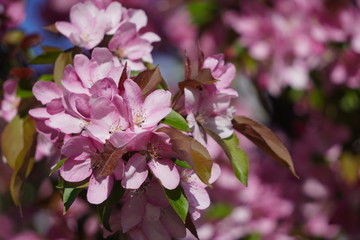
{"x": 45, "y": 92}
{"x": 76, "y": 171}
{"x": 99, "y": 189}
{"x": 66, "y": 123}
{"x": 135, "y": 172}
{"x": 166, "y": 172}
{"x": 156, "y": 106}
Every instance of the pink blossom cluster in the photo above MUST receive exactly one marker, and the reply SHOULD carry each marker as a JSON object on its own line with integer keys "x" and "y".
{"x": 291, "y": 38}
{"x": 107, "y": 131}
{"x": 210, "y": 106}
{"x": 91, "y": 21}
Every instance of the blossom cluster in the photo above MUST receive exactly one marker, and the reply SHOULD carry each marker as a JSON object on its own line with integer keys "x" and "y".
{"x": 112, "y": 124}
{"x": 91, "y": 21}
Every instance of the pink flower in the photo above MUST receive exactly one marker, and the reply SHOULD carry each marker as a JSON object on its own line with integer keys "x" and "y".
{"x": 85, "y": 73}
{"x": 70, "y": 111}
{"x": 87, "y": 26}
{"x": 86, "y": 159}
{"x": 145, "y": 114}
{"x": 128, "y": 44}
{"x": 224, "y": 73}
{"x": 10, "y": 102}
{"x": 15, "y": 12}
{"x": 195, "y": 191}
{"x": 211, "y": 110}
{"x": 157, "y": 158}
{"x": 146, "y": 214}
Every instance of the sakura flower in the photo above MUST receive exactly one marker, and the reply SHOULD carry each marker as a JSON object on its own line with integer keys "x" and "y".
{"x": 146, "y": 214}
{"x": 88, "y": 159}
{"x": 107, "y": 117}
{"x": 224, "y": 73}
{"x": 86, "y": 72}
{"x": 145, "y": 115}
{"x": 209, "y": 110}
{"x": 10, "y": 103}
{"x": 128, "y": 44}
{"x": 195, "y": 191}
{"x": 157, "y": 158}
{"x": 87, "y": 25}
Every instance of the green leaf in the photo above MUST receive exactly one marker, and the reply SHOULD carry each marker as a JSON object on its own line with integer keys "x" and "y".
{"x": 237, "y": 157}
{"x": 64, "y": 184}
{"x": 181, "y": 163}
{"x": 178, "y": 202}
{"x": 24, "y": 93}
{"x": 105, "y": 208}
{"x": 46, "y": 77}
{"x": 218, "y": 211}
{"x": 61, "y": 62}
{"x": 13, "y": 37}
{"x": 69, "y": 197}
{"x": 177, "y": 121}
{"x": 134, "y": 73}
{"x": 349, "y": 167}
{"x": 58, "y": 165}
{"x": 253, "y": 236}
{"x": 12, "y": 133}
{"x": 46, "y": 57}
{"x": 19, "y": 156}
{"x": 202, "y": 12}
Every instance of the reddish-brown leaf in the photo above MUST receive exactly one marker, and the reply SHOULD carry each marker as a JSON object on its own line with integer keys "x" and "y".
{"x": 30, "y": 41}
{"x": 265, "y": 139}
{"x": 148, "y": 80}
{"x": 123, "y": 77}
{"x": 187, "y": 63}
{"x": 51, "y": 28}
{"x": 21, "y": 72}
{"x": 191, "y": 226}
{"x": 204, "y": 77}
{"x": 111, "y": 162}
{"x": 201, "y": 58}
{"x": 191, "y": 151}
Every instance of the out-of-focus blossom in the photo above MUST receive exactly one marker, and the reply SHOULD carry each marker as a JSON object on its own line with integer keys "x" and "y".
{"x": 12, "y": 14}
{"x": 128, "y": 44}
{"x": 10, "y": 101}
{"x": 346, "y": 69}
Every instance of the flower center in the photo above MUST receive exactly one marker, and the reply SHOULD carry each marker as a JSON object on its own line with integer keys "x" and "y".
{"x": 200, "y": 119}
{"x": 151, "y": 149}
{"x": 120, "y": 53}
{"x": 139, "y": 118}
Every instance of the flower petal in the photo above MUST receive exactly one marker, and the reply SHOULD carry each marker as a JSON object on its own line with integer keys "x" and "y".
{"x": 133, "y": 211}
{"x": 157, "y": 105}
{"x": 76, "y": 171}
{"x": 66, "y": 123}
{"x": 45, "y": 92}
{"x": 99, "y": 189}
{"x": 166, "y": 172}
{"x": 135, "y": 172}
